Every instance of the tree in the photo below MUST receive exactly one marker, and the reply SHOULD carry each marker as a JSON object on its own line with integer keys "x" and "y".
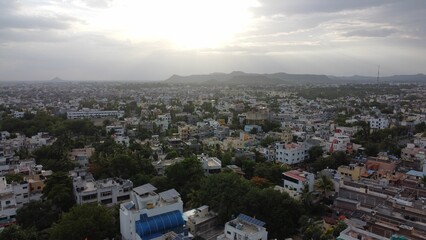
{"x": 271, "y": 171}
{"x": 315, "y": 153}
{"x": 86, "y": 221}
{"x": 278, "y": 210}
{"x": 306, "y": 196}
{"x": 59, "y": 190}
{"x": 185, "y": 175}
{"x": 223, "y": 193}
{"x": 340, "y": 226}
{"x": 324, "y": 184}
{"x": 15, "y": 232}
{"x": 37, "y": 214}
{"x": 14, "y": 177}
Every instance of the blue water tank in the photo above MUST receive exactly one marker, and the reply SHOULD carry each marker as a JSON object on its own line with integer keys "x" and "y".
{"x": 148, "y": 226}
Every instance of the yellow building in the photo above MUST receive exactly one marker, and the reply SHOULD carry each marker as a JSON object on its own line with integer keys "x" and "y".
{"x": 354, "y": 171}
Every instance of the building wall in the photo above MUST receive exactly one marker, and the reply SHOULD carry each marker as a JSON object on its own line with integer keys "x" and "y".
{"x": 352, "y": 171}
{"x": 291, "y": 154}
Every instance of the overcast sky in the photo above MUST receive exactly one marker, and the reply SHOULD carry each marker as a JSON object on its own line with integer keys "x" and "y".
{"x": 151, "y": 40}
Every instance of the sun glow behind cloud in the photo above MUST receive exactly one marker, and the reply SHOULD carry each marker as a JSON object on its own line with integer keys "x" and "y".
{"x": 185, "y": 24}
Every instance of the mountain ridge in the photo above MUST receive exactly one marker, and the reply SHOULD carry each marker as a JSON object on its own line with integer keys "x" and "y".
{"x": 282, "y": 78}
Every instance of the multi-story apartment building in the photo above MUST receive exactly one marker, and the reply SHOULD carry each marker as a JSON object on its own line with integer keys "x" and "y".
{"x": 151, "y": 215}
{"x": 297, "y": 180}
{"x": 8, "y": 204}
{"x": 94, "y": 114}
{"x": 378, "y": 123}
{"x": 338, "y": 142}
{"x": 106, "y": 191}
{"x": 163, "y": 121}
{"x": 291, "y": 153}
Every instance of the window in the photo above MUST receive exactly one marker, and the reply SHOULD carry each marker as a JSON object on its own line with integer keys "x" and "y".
{"x": 103, "y": 194}
{"x": 25, "y": 195}
{"x": 122, "y": 198}
{"x": 106, "y": 201}
{"x": 88, "y": 197}
{"x": 7, "y": 202}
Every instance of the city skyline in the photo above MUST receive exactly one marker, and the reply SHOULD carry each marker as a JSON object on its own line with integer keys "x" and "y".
{"x": 152, "y": 40}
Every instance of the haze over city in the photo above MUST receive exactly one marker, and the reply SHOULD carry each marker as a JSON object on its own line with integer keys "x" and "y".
{"x": 152, "y": 40}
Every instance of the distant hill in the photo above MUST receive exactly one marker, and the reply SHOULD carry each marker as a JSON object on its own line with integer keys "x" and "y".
{"x": 57, "y": 79}
{"x": 242, "y": 78}
{"x": 389, "y": 79}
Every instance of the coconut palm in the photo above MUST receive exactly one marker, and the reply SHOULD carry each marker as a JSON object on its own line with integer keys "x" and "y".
{"x": 423, "y": 180}
{"x": 324, "y": 184}
{"x": 306, "y": 196}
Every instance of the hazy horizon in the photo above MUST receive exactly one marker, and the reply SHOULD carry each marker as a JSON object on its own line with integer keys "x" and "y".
{"x": 131, "y": 40}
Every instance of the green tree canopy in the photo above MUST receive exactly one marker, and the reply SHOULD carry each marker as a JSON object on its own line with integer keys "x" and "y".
{"x": 37, "y": 214}
{"x": 59, "y": 190}
{"x": 86, "y": 221}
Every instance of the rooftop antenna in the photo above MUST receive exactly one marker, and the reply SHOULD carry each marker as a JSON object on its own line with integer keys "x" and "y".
{"x": 378, "y": 74}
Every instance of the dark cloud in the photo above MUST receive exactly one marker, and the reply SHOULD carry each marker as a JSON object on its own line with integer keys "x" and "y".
{"x": 12, "y": 18}
{"x": 272, "y": 7}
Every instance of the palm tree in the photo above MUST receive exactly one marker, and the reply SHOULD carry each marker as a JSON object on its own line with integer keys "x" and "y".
{"x": 324, "y": 184}
{"x": 306, "y": 196}
{"x": 423, "y": 180}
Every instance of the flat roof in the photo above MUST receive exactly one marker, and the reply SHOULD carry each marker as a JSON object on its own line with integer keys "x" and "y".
{"x": 169, "y": 194}
{"x": 144, "y": 189}
{"x": 415, "y": 173}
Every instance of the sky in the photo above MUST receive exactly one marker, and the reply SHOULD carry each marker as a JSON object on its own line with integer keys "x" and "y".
{"x": 152, "y": 40}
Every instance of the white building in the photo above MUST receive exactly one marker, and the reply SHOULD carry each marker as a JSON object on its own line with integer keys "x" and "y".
{"x": 8, "y": 204}
{"x": 244, "y": 227}
{"x": 379, "y": 123}
{"x": 107, "y": 191}
{"x": 210, "y": 165}
{"x": 17, "y": 114}
{"x": 118, "y": 130}
{"x": 150, "y": 215}
{"x": 95, "y": 114}
{"x": 297, "y": 180}
{"x": 163, "y": 121}
{"x": 291, "y": 153}
{"x": 338, "y": 142}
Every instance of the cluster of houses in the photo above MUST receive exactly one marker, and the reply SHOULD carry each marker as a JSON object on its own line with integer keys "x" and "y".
{"x": 380, "y": 197}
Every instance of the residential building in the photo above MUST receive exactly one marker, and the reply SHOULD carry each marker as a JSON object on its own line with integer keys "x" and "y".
{"x": 353, "y": 171}
{"x": 291, "y": 153}
{"x": 297, "y": 180}
{"x": 378, "y": 123}
{"x": 8, "y": 204}
{"x": 201, "y": 222}
{"x": 94, "y": 114}
{"x": 151, "y": 215}
{"x": 244, "y": 227}
{"x": 107, "y": 191}
{"x": 163, "y": 121}
{"x": 117, "y": 130}
{"x": 210, "y": 165}
{"x": 81, "y": 155}
{"x": 338, "y": 142}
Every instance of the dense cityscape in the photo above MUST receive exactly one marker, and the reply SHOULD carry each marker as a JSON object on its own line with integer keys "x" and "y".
{"x": 161, "y": 160}
{"x": 212, "y": 120}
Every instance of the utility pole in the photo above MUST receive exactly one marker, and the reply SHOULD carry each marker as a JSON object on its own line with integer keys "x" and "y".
{"x": 378, "y": 74}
